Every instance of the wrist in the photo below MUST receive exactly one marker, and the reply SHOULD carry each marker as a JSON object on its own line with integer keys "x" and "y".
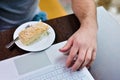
{"x": 89, "y": 23}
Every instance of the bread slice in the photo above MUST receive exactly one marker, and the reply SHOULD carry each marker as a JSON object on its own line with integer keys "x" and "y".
{"x": 32, "y": 33}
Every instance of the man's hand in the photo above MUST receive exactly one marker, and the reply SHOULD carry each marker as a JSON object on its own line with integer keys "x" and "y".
{"x": 83, "y": 45}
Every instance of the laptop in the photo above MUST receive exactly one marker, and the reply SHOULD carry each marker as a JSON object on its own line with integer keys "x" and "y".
{"x": 45, "y": 65}
{"x": 107, "y": 65}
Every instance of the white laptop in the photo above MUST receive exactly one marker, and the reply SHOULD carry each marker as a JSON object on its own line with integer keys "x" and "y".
{"x": 45, "y": 65}
{"x": 107, "y": 63}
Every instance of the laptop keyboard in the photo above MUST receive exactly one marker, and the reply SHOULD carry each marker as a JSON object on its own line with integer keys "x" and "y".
{"x": 57, "y": 72}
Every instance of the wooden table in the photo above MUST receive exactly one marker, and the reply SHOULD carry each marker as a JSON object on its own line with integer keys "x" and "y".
{"x": 64, "y": 27}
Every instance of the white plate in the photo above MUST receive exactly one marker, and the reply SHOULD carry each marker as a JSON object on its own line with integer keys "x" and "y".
{"x": 40, "y": 44}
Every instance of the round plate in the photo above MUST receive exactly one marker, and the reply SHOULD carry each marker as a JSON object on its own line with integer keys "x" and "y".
{"x": 38, "y": 45}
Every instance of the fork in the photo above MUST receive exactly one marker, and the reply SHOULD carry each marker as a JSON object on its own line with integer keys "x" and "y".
{"x": 12, "y": 42}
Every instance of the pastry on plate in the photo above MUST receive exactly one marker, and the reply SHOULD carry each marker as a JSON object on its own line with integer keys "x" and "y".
{"x": 33, "y": 33}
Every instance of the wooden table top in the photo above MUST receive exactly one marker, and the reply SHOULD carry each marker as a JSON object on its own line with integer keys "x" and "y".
{"x": 64, "y": 27}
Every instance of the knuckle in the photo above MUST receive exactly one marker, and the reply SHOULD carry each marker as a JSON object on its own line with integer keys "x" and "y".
{"x": 93, "y": 59}
{"x": 76, "y": 67}
{"x": 80, "y": 59}
{"x": 72, "y": 55}
{"x": 77, "y": 42}
{"x": 88, "y": 59}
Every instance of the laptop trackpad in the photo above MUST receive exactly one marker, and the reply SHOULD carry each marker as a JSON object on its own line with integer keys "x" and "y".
{"x": 31, "y": 62}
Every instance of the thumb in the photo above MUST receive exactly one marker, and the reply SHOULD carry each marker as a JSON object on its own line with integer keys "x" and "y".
{"x": 66, "y": 47}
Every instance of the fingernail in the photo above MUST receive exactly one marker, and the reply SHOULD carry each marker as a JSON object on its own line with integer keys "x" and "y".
{"x": 59, "y": 49}
{"x": 73, "y": 70}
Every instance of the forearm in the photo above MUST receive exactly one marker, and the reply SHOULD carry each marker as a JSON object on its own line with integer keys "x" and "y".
{"x": 83, "y": 42}
{"x": 85, "y": 10}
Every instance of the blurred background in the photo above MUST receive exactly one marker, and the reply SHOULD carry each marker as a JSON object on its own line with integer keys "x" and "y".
{"x": 57, "y": 8}
{"x": 112, "y": 6}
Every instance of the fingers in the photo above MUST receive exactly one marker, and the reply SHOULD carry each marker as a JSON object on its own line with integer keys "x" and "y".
{"x": 85, "y": 54}
{"x": 67, "y": 46}
{"x": 88, "y": 57}
{"x": 85, "y": 58}
{"x": 73, "y": 53}
{"x": 80, "y": 59}
{"x": 92, "y": 58}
